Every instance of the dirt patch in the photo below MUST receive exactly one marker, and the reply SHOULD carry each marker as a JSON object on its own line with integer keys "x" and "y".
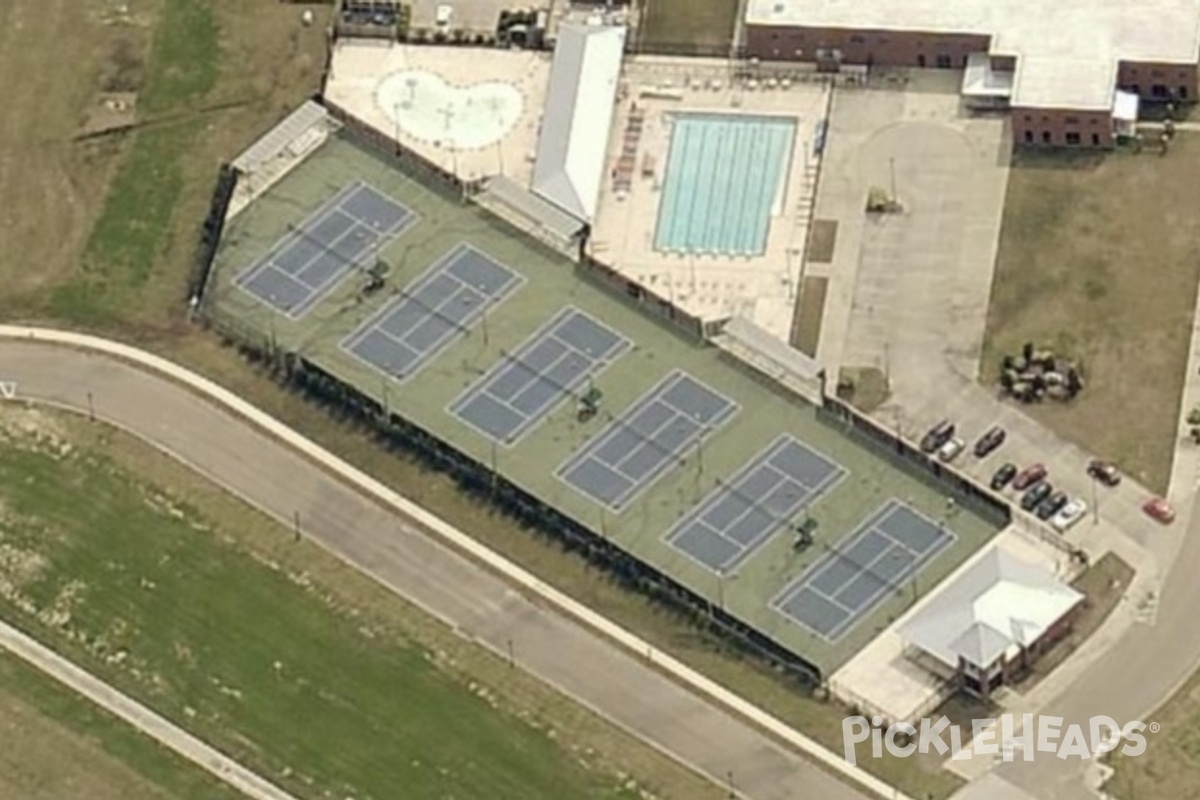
{"x": 1100, "y": 257}
{"x": 865, "y": 388}
{"x": 821, "y": 241}
{"x": 811, "y": 312}
{"x": 111, "y": 111}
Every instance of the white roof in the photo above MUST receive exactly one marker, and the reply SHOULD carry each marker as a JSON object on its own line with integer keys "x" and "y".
{"x": 294, "y": 125}
{"x": 980, "y": 80}
{"x": 1125, "y": 106}
{"x": 1067, "y": 50}
{"x": 578, "y": 115}
{"x": 997, "y": 604}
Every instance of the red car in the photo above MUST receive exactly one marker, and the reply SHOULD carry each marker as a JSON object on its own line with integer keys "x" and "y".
{"x": 1159, "y": 509}
{"x": 1029, "y": 476}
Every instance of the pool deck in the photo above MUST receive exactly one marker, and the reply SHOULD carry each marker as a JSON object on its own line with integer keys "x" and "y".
{"x": 552, "y": 283}
{"x": 761, "y": 288}
{"x": 359, "y": 68}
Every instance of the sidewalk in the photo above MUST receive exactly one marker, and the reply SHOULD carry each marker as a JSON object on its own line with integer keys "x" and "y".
{"x": 151, "y": 724}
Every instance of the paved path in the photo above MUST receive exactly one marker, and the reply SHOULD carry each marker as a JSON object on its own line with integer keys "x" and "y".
{"x": 374, "y": 530}
{"x": 142, "y": 718}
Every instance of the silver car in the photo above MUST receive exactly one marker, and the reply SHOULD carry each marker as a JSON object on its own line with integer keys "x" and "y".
{"x": 950, "y": 450}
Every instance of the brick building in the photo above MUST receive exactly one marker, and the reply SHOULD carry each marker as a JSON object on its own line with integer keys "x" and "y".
{"x": 991, "y": 622}
{"x": 1071, "y": 72}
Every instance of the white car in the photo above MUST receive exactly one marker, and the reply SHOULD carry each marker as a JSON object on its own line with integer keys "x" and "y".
{"x": 950, "y": 450}
{"x": 1068, "y": 515}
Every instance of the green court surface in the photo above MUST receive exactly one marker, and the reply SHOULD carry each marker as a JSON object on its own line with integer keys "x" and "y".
{"x": 765, "y": 411}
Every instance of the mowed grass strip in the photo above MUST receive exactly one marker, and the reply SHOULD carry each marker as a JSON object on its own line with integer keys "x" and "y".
{"x": 1100, "y": 258}
{"x": 56, "y": 745}
{"x": 255, "y": 659}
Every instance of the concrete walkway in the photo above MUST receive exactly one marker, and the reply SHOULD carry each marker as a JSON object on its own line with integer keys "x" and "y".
{"x": 440, "y": 569}
{"x": 162, "y": 731}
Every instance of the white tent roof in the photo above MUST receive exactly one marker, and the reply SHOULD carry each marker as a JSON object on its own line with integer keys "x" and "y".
{"x": 577, "y": 117}
{"x": 999, "y": 603}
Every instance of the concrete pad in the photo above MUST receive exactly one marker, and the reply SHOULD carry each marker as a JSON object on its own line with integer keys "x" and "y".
{"x": 912, "y": 288}
{"x": 370, "y": 80}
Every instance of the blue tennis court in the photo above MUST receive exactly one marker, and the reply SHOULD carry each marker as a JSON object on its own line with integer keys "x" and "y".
{"x": 740, "y": 515}
{"x": 882, "y": 556}
{"x": 653, "y": 434}
{"x": 432, "y": 312}
{"x": 725, "y": 178}
{"x": 523, "y": 387}
{"x": 308, "y": 262}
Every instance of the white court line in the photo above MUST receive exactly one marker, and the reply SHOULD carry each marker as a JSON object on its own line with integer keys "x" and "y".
{"x": 457, "y": 329}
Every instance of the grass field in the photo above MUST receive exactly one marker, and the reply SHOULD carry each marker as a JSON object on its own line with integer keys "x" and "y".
{"x": 325, "y": 695}
{"x": 55, "y": 745}
{"x": 688, "y": 27}
{"x": 1100, "y": 258}
{"x": 101, "y": 232}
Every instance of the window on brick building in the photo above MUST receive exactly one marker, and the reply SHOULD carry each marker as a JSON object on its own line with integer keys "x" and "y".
{"x": 1073, "y": 138}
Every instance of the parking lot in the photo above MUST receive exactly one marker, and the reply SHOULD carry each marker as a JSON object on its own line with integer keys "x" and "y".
{"x": 908, "y": 293}
{"x": 1115, "y": 520}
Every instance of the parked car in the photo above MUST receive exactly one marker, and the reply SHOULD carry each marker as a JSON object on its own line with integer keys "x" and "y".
{"x": 950, "y": 449}
{"x": 1035, "y": 494}
{"x": 1029, "y": 476}
{"x": 1068, "y": 515}
{"x": 1160, "y": 510}
{"x": 990, "y": 441}
{"x": 937, "y": 436}
{"x": 1051, "y": 505}
{"x": 1003, "y": 476}
{"x": 1104, "y": 471}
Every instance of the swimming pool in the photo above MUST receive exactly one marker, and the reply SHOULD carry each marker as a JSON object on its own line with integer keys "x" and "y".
{"x": 725, "y": 179}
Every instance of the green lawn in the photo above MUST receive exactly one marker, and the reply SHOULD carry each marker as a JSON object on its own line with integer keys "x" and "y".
{"x": 100, "y": 748}
{"x": 688, "y": 27}
{"x": 131, "y": 233}
{"x": 259, "y": 661}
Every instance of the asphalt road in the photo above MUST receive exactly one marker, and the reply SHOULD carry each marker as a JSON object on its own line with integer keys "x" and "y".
{"x": 271, "y": 476}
